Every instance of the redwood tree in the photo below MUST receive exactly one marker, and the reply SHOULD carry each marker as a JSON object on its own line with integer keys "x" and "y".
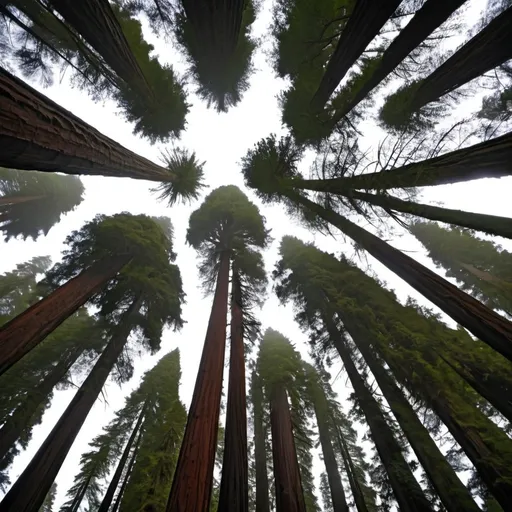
{"x": 226, "y": 228}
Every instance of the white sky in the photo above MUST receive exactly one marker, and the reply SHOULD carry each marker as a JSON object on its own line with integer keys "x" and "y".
{"x": 220, "y": 140}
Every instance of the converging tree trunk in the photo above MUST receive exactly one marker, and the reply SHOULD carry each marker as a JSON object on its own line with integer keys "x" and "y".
{"x": 427, "y": 19}
{"x": 407, "y": 491}
{"x": 288, "y": 486}
{"x": 193, "y": 478}
{"x": 366, "y": 19}
{"x": 109, "y": 495}
{"x": 28, "y": 492}
{"x": 234, "y": 485}
{"x": 484, "y": 323}
{"x": 20, "y": 335}
{"x": 489, "y": 159}
{"x": 38, "y": 134}
{"x": 75, "y": 506}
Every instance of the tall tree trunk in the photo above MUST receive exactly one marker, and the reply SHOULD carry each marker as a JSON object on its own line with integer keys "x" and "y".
{"x": 453, "y": 493}
{"x": 109, "y": 495}
{"x": 8, "y": 200}
{"x": 14, "y": 426}
{"x": 234, "y": 484}
{"x": 366, "y": 19}
{"x": 491, "y": 224}
{"x": 491, "y": 47}
{"x": 489, "y": 159}
{"x": 193, "y": 478}
{"x": 484, "y": 323}
{"x": 288, "y": 485}
{"x": 21, "y": 334}
{"x": 75, "y": 506}
{"x": 427, "y": 19}
{"x": 96, "y": 22}
{"x": 260, "y": 451}
{"x": 339, "y": 502}
{"x": 38, "y": 134}
{"x": 29, "y": 491}
{"x": 127, "y": 474}
{"x": 407, "y": 490}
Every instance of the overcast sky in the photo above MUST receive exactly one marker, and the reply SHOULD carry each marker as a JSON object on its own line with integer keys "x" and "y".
{"x": 220, "y": 140}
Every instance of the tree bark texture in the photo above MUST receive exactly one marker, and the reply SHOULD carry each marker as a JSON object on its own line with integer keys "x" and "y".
{"x": 21, "y": 334}
{"x": 29, "y": 491}
{"x": 13, "y": 427}
{"x": 234, "y": 485}
{"x": 193, "y": 478}
{"x": 339, "y": 502}
{"x": 109, "y": 495}
{"x": 491, "y": 47}
{"x": 427, "y": 19}
{"x": 491, "y": 224}
{"x": 260, "y": 454}
{"x": 452, "y": 492}
{"x": 38, "y": 134}
{"x": 407, "y": 491}
{"x": 288, "y": 485}
{"x": 489, "y": 159}
{"x": 484, "y": 323}
{"x": 366, "y": 19}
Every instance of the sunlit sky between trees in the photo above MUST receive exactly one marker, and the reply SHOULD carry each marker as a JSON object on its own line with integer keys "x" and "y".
{"x": 221, "y": 140}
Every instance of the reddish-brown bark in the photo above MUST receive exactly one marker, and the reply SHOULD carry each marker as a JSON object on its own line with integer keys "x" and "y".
{"x": 29, "y": 328}
{"x": 484, "y": 323}
{"x": 32, "y": 486}
{"x": 234, "y": 485}
{"x": 193, "y": 478}
{"x": 38, "y": 134}
{"x": 288, "y": 485}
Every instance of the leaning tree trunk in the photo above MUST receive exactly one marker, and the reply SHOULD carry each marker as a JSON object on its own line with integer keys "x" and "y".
{"x": 29, "y": 491}
{"x": 490, "y": 224}
{"x": 366, "y": 19}
{"x": 193, "y": 478}
{"x": 21, "y": 334}
{"x": 96, "y": 22}
{"x": 407, "y": 491}
{"x": 453, "y": 493}
{"x": 77, "y": 501}
{"x": 489, "y": 159}
{"x": 260, "y": 452}
{"x": 14, "y": 426}
{"x": 38, "y": 134}
{"x": 234, "y": 484}
{"x": 109, "y": 495}
{"x": 427, "y": 19}
{"x": 339, "y": 502}
{"x": 484, "y": 323}
{"x": 491, "y": 47}
{"x": 288, "y": 485}
{"x": 8, "y": 200}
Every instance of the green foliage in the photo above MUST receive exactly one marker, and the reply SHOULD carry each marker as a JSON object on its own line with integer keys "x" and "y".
{"x": 32, "y": 202}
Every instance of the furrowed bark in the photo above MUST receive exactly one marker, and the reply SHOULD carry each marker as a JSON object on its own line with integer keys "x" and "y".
{"x": 489, "y": 159}
{"x": 109, "y": 495}
{"x": 234, "y": 485}
{"x": 484, "y": 323}
{"x": 21, "y": 334}
{"x": 32, "y": 486}
{"x": 38, "y": 134}
{"x": 193, "y": 478}
{"x": 366, "y": 19}
{"x": 288, "y": 485}
{"x": 407, "y": 491}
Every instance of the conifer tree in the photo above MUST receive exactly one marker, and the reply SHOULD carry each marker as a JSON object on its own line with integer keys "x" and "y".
{"x": 227, "y": 230}
{"x": 143, "y": 299}
{"x": 31, "y": 203}
{"x": 49, "y": 501}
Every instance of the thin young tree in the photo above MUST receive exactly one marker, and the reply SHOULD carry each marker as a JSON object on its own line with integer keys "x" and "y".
{"x": 145, "y": 298}
{"x": 226, "y": 229}
{"x": 31, "y": 203}
{"x": 38, "y": 134}
{"x": 279, "y": 162}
